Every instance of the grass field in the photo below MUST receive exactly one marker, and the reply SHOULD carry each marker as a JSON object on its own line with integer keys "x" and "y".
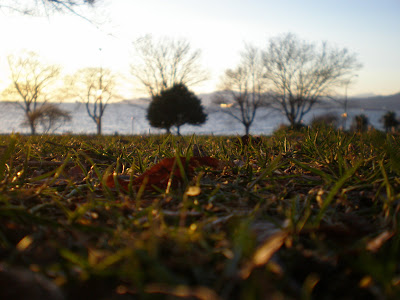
{"x": 297, "y": 215}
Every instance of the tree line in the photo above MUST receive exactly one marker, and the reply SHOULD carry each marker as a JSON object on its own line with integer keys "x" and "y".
{"x": 290, "y": 75}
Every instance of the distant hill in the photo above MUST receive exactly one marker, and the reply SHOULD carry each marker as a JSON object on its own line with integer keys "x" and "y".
{"x": 391, "y": 102}
{"x": 365, "y": 95}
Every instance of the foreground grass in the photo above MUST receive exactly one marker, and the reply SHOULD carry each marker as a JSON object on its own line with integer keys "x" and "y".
{"x": 309, "y": 215}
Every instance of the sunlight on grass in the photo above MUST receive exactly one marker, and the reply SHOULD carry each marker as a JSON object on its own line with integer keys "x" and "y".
{"x": 308, "y": 214}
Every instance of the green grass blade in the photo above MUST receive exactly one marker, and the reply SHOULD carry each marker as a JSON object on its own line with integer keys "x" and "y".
{"x": 335, "y": 189}
{"x": 328, "y": 178}
{"x": 6, "y": 156}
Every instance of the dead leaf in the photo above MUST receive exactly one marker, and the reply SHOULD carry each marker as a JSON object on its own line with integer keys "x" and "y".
{"x": 264, "y": 253}
{"x": 75, "y": 173}
{"x": 24, "y": 243}
{"x": 160, "y": 174}
{"x": 193, "y": 191}
{"x": 375, "y": 244}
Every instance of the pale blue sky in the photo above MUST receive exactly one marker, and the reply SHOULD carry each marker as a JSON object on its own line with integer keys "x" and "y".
{"x": 219, "y": 28}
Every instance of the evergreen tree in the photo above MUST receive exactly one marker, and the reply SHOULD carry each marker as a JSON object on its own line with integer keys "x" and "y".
{"x": 175, "y": 106}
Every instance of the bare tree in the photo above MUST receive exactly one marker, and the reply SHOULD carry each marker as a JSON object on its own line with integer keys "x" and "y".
{"x": 95, "y": 87}
{"x": 31, "y": 84}
{"x": 302, "y": 73}
{"x": 46, "y": 7}
{"x": 166, "y": 62}
{"x": 244, "y": 88}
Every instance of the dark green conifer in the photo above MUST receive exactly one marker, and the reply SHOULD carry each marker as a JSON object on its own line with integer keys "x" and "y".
{"x": 175, "y": 106}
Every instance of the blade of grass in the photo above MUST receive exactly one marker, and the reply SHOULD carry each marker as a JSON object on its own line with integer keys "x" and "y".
{"x": 268, "y": 171}
{"x": 188, "y": 151}
{"x": 389, "y": 190}
{"x": 100, "y": 176}
{"x": 171, "y": 177}
{"x": 182, "y": 168}
{"x": 6, "y": 156}
{"x": 141, "y": 191}
{"x": 323, "y": 174}
{"x": 335, "y": 189}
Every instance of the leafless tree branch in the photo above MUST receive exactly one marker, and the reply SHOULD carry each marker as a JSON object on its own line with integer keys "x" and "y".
{"x": 245, "y": 88}
{"x": 301, "y": 74}
{"x": 31, "y": 83}
{"x": 166, "y": 62}
{"x": 95, "y": 87}
{"x": 48, "y": 7}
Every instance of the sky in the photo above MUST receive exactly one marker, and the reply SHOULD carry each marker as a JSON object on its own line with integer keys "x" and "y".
{"x": 219, "y": 28}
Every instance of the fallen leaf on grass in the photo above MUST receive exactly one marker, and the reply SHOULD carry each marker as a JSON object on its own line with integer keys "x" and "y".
{"x": 75, "y": 173}
{"x": 123, "y": 181}
{"x": 264, "y": 253}
{"x": 378, "y": 241}
{"x": 193, "y": 191}
{"x": 24, "y": 243}
{"x": 160, "y": 174}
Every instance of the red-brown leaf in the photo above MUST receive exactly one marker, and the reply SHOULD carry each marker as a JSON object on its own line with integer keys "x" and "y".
{"x": 159, "y": 174}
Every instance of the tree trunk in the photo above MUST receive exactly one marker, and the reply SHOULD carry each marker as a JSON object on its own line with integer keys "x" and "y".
{"x": 178, "y": 130}
{"x": 294, "y": 124}
{"x": 98, "y": 121}
{"x": 247, "y": 128}
{"x": 33, "y": 127}
{"x": 168, "y": 130}
{"x": 292, "y": 120}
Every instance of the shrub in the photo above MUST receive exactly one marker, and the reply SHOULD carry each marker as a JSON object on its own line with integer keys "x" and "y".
{"x": 389, "y": 121}
{"x": 360, "y": 123}
{"x": 325, "y": 120}
{"x": 48, "y": 116}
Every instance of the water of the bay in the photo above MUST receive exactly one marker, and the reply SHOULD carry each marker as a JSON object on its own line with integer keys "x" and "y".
{"x": 125, "y": 118}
